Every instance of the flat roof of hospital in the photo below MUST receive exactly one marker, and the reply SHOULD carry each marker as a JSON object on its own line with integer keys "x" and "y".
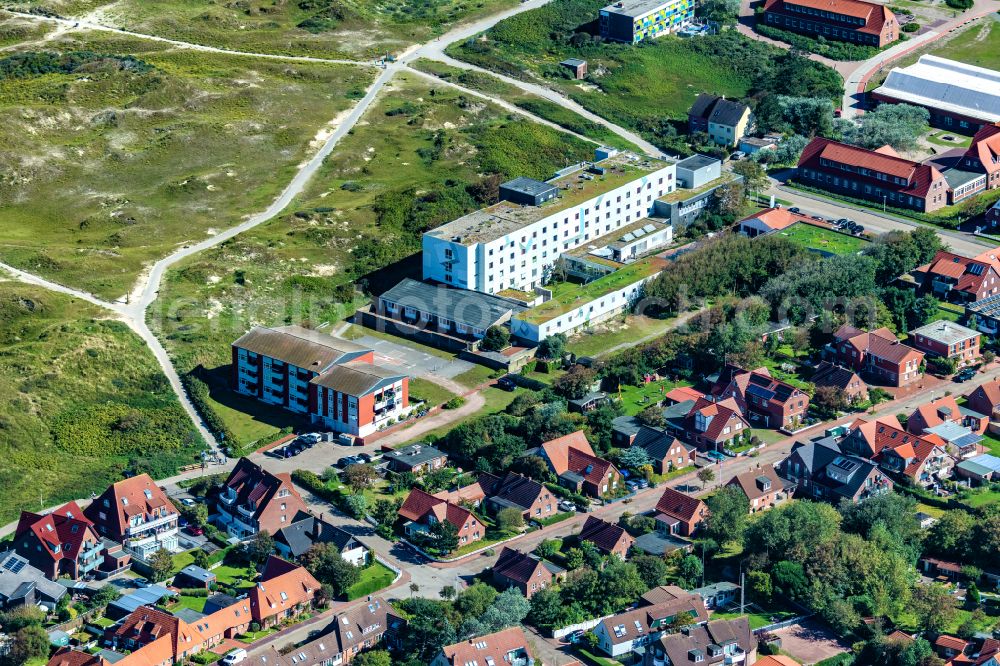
{"x": 576, "y": 186}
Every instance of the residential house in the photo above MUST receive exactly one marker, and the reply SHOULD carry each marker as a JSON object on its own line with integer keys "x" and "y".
{"x": 422, "y": 510}
{"x": 335, "y": 382}
{"x": 945, "y": 410}
{"x": 985, "y": 398}
{"x": 725, "y": 121}
{"x": 983, "y": 154}
{"x": 957, "y": 279}
{"x": 662, "y": 594}
{"x": 415, "y": 458}
{"x": 284, "y": 590}
{"x": 728, "y": 642}
{"x": 513, "y": 491}
{"x": 950, "y": 647}
{"x": 762, "y": 486}
{"x": 854, "y": 21}
{"x": 572, "y": 459}
{"x": 769, "y": 220}
{"x": 137, "y": 514}
{"x": 306, "y": 530}
{"x": 711, "y": 425}
{"x": 472, "y": 494}
{"x": 763, "y": 399}
{"x": 836, "y": 376}
{"x": 253, "y": 500}
{"x": 922, "y": 459}
{"x": 878, "y": 355}
{"x": 942, "y": 570}
{"x": 946, "y": 339}
{"x": 776, "y": 660}
{"x": 624, "y": 633}
{"x": 525, "y": 571}
{"x": 508, "y": 647}
{"x": 682, "y": 394}
{"x": 877, "y": 175}
{"x": 22, "y": 584}
{"x": 588, "y": 402}
{"x": 718, "y": 596}
{"x": 821, "y": 470}
{"x": 680, "y": 514}
{"x": 360, "y": 627}
{"x": 666, "y": 452}
{"x": 61, "y": 543}
{"x": 609, "y": 538}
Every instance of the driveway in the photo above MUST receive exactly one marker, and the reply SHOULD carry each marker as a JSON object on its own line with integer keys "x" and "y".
{"x": 810, "y": 642}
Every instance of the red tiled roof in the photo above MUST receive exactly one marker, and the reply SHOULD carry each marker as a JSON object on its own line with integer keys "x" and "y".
{"x": 952, "y": 643}
{"x": 985, "y": 147}
{"x": 590, "y": 467}
{"x": 418, "y": 504}
{"x": 933, "y": 413}
{"x": 721, "y": 413}
{"x": 776, "y": 218}
{"x": 134, "y": 492}
{"x": 919, "y": 177}
{"x": 606, "y": 536}
{"x": 282, "y": 586}
{"x": 557, "y": 450}
{"x": 495, "y": 646}
{"x": 680, "y": 506}
{"x": 683, "y": 394}
{"x": 881, "y": 343}
{"x": 62, "y": 532}
{"x": 990, "y": 391}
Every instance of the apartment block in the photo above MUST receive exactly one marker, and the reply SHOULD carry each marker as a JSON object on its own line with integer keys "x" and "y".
{"x": 844, "y": 20}
{"x": 633, "y": 21}
{"x": 137, "y": 514}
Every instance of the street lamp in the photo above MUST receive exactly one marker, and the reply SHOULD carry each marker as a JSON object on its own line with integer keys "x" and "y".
{"x": 883, "y": 203}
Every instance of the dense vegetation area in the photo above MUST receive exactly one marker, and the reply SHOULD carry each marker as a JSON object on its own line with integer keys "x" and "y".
{"x": 833, "y": 49}
{"x": 76, "y": 414}
{"x": 115, "y": 149}
{"x": 422, "y": 155}
{"x": 648, "y": 87}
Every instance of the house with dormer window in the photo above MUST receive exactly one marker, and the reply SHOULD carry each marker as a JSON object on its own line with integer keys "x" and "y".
{"x": 622, "y": 634}
{"x": 255, "y": 500}
{"x": 572, "y": 459}
{"x": 762, "y": 486}
{"x": 61, "y": 543}
{"x": 137, "y": 514}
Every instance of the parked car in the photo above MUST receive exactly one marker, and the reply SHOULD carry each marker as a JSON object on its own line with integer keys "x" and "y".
{"x": 187, "y": 501}
{"x": 632, "y": 485}
{"x": 738, "y": 155}
{"x": 347, "y": 461}
{"x": 506, "y": 383}
{"x": 194, "y": 530}
{"x": 643, "y": 483}
{"x": 858, "y": 230}
{"x": 575, "y": 637}
{"x": 234, "y": 656}
{"x": 566, "y": 505}
{"x": 365, "y": 457}
{"x": 965, "y": 375}
{"x": 795, "y": 209}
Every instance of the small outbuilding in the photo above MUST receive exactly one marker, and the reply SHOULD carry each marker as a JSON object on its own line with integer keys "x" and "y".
{"x": 577, "y": 66}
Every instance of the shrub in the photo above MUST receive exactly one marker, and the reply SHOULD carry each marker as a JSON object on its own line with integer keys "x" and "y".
{"x": 454, "y": 403}
{"x": 912, "y": 26}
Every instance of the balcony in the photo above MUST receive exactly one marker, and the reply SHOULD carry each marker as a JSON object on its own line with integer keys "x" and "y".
{"x": 227, "y": 499}
{"x": 151, "y": 524}
{"x": 245, "y": 511}
{"x": 737, "y": 657}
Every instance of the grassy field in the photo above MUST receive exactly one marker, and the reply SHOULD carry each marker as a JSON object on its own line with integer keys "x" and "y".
{"x": 406, "y": 166}
{"x": 427, "y": 390}
{"x": 598, "y": 340}
{"x": 979, "y": 45}
{"x": 75, "y": 417}
{"x": 637, "y": 398}
{"x": 825, "y": 240}
{"x": 112, "y": 161}
{"x": 321, "y": 28}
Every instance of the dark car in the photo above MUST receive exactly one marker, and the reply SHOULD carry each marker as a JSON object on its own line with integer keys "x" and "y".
{"x": 965, "y": 375}
{"x": 506, "y": 383}
{"x": 795, "y": 209}
{"x": 365, "y": 457}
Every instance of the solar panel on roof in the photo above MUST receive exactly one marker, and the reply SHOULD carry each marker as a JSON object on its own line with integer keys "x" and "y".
{"x": 976, "y": 269}
{"x": 760, "y": 392}
{"x": 14, "y": 564}
{"x": 628, "y": 237}
{"x": 783, "y": 392}
{"x": 760, "y": 380}
{"x": 649, "y": 228}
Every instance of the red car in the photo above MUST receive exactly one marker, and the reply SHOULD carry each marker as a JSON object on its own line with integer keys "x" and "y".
{"x": 194, "y": 530}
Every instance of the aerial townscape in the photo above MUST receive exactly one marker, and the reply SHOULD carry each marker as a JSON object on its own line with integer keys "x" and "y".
{"x": 500, "y": 332}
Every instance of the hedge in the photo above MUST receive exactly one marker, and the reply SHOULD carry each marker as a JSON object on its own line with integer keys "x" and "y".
{"x": 198, "y": 393}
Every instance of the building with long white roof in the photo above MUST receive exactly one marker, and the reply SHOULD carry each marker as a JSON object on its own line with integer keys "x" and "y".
{"x": 960, "y": 97}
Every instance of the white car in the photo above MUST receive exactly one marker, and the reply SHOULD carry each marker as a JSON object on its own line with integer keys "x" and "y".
{"x": 234, "y": 656}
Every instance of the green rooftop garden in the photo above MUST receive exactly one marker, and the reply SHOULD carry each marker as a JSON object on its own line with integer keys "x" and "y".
{"x": 681, "y": 194}
{"x": 567, "y": 296}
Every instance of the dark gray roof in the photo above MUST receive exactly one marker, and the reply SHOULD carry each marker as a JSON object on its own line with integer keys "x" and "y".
{"x": 703, "y": 105}
{"x": 306, "y": 530}
{"x": 657, "y": 543}
{"x": 16, "y": 572}
{"x": 511, "y": 490}
{"x": 528, "y": 186}
{"x": 414, "y": 454}
{"x": 357, "y": 378}
{"x": 469, "y": 308}
{"x": 696, "y": 162}
{"x": 593, "y": 396}
{"x": 198, "y": 573}
{"x": 573, "y": 62}
{"x": 189, "y": 615}
{"x": 218, "y": 601}
{"x": 656, "y": 442}
{"x": 627, "y": 425}
{"x": 829, "y": 374}
{"x": 956, "y": 177}
{"x": 727, "y": 112}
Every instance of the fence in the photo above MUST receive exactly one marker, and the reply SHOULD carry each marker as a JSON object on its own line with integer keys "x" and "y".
{"x": 76, "y": 622}
{"x": 586, "y": 625}
{"x": 783, "y": 624}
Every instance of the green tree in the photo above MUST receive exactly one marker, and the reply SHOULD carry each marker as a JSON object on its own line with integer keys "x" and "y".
{"x": 200, "y": 558}
{"x": 754, "y": 177}
{"x": 547, "y": 609}
{"x": 259, "y": 548}
{"x": 161, "y": 565}
{"x": 690, "y": 571}
{"x": 510, "y": 520}
{"x": 727, "y": 518}
{"x": 652, "y": 569}
{"x": 934, "y": 607}
{"x": 445, "y": 536}
{"x": 634, "y": 458}
{"x": 495, "y": 339}
{"x": 706, "y": 475}
{"x": 475, "y": 599}
{"x": 359, "y": 476}
{"x": 761, "y": 585}
{"x": 324, "y": 561}
{"x": 31, "y": 642}
{"x": 373, "y": 658}
{"x": 552, "y": 347}
{"x": 547, "y": 549}
{"x": 574, "y": 559}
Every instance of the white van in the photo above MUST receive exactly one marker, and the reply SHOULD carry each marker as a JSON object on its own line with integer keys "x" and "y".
{"x": 234, "y": 656}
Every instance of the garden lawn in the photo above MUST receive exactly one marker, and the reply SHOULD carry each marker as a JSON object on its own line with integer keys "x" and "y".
{"x": 373, "y": 578}
{"x": 228, "y": 575}
{"x": 813, "y": 237}
{"x": 194, "y": 603}
{"x": 74, "y": 416}
{"x": 598, "y": 340}
{"x": 358, "y": 222}
{"x": 991, "y": 443}
{"x": 637, "y": 398}
{"x": 115, "y": 161}
{"x": 181, "y": 560}
{"x": 759, "y": 617}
